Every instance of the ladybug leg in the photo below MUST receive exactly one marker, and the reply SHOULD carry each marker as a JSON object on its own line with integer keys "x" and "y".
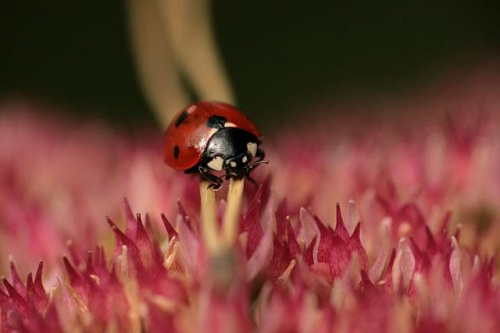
{"x": 216, "y": 182}
{"x": 253, "y": 181}
{"x": 260, "y": 155}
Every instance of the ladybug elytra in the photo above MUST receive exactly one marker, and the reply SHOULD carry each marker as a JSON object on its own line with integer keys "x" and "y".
{"x": 209, "y": 138}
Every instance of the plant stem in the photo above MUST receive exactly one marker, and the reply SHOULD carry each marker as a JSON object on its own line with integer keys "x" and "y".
{"x": 231, "y": 218}
{"x": 209, "y": 218}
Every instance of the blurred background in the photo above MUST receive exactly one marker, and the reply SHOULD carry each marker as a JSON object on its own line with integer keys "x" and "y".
{"x": 281, "y": 56}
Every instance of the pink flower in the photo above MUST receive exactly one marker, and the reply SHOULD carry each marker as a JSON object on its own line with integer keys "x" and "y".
{"x": 392, "y": 228}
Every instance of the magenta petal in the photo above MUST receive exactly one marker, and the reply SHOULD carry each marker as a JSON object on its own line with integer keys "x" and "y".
{"x": 333, "y": 250}
{"x": 281, "y": 213}
{"x": 159, "y": 320}
{"x": 326, "y": 239}
{"x": 340, "y": 257}
{"x": 134, "y": 253}
{"x": 354, "y": 245}
{"x": 261, "y": 257}
{"x": 455, "y": 266}
{"x": 16, "y": 298}
{"x": 280, "y": 260}
{"x": 16, "y": 279}
{"x": 251, "y": 224}
{"x": 340, "y": 228}
{"x": 308, "y": 256}
{"x": 410, "y": 212}
{"x": 292, "y": 240}
{"x": 377, "y": 270}
{"x": 312, "y": 281}
{"x": 141, "y": 238}
{"x": 323, "y": 271}
{"x": 369, "y": 288}
{"x": 96, "y": 262}
{"x": 407, "y": 263}
{"x": 89, "y": 268}
{"x": 36, "y": 292}
{"x": 190, "y": 244}
{"x": 50, "y": 321}
{"x": 431, "y": 246}
{"x": 352, "y": 216}
{"x": 185, "y": 217}
{"x": 170, "y": 230}
{"x": 309, "y": 226}
{"x": 129, "y": 217}
{"x": 74, "y": 253}
{"x": 75, "y": 279}
{"x": 38, "y": 277}
{"x": 422, "y": 259}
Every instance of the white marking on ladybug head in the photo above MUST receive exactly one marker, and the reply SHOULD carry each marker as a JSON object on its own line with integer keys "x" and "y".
{"x": 233, "y": 164}
{"x": 244, "y": 159}
{"x": 229, "y": 124}
{"x": 216, "y": 164}
{"x": 252, "y": 148}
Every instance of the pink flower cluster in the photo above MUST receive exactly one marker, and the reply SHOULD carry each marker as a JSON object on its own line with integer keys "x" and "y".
{"x": 411, "y": 246}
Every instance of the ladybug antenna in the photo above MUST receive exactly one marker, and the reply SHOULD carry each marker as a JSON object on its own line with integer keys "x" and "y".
{"x": 254, "y": 165}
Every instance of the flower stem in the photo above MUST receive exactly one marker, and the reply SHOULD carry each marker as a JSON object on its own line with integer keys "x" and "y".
{"x": 155, "y": 61}
{"x": 233, "y": 207}
{"x": 208, "y": 218}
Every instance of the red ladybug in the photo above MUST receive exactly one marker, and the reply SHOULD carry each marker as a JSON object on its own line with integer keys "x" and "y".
{"x": 210, "y": 137}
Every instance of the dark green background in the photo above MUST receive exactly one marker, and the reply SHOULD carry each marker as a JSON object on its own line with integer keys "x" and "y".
{"x": 280, "y": 54}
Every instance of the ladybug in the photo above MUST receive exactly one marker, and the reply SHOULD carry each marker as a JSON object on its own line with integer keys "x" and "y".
{"x": 210, "y": 138}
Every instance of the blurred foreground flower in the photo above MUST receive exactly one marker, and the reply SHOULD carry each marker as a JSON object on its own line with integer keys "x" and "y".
{"x": 411, "y": 247}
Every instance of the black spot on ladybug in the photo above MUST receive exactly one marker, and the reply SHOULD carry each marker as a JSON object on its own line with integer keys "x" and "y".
{"x": 217, "y": 122}
{"x": 176, "y": 151}
{"x": 181, "y": 118}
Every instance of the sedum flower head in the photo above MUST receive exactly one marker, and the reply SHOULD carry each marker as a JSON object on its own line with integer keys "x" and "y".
{"x": 382, "y": 228}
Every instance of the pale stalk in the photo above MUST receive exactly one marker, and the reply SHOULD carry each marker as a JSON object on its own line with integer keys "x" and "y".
{"x": 209, "y": 218}
{"x": 231, "y": 223}
{"x": 156, "y": 67}
{"x": 191, "y": 35}
{"x": 170, "y": 38}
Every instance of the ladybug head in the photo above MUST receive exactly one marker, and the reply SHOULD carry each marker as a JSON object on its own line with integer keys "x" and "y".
{"x": 235, "y": 158}
{"x": 238, "y": 166}
{"x": 234, "y": 151}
